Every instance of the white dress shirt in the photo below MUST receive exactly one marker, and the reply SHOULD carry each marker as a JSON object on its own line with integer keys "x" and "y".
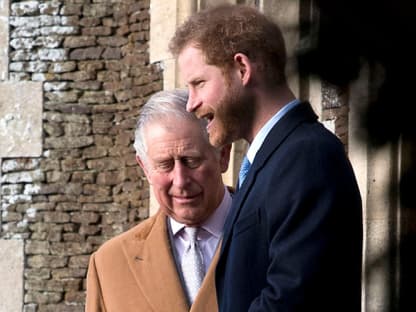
{"x": 209, "y": 234}
{"x": 264, "y": 131}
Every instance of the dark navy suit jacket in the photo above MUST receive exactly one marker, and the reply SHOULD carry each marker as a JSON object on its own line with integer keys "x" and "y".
{"x": 293, "y": 239}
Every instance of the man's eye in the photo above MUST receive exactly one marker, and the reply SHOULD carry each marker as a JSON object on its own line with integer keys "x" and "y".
{"x": 164, "y": 166}
{"x": 191, "y": 162}
{"x": 199, "y": 83}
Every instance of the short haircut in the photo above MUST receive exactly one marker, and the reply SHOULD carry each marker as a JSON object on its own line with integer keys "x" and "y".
{"x": 225, "y": 30}
{"x": 163, "y": 105}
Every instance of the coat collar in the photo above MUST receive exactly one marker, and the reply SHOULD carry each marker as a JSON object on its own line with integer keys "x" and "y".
{"x": 151, "y": 261}
{"x": 150, "y": 258}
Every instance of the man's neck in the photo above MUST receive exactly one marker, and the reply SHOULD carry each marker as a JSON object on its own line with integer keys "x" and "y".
{"x": 267, "y": 105}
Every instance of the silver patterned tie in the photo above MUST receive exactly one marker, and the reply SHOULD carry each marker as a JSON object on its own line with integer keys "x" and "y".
{"x": 245, "y": 167}
{"x": 192, "y": 265}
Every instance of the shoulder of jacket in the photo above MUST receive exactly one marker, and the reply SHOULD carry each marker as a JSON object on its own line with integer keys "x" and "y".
{"x": 139, "y": 232}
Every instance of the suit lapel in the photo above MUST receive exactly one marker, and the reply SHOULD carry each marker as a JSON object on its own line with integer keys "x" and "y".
{"x": 152, "y": 263}
{"x": 300, "y": 113}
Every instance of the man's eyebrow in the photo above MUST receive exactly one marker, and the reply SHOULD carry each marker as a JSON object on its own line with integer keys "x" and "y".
{"x": 193, "y": 81}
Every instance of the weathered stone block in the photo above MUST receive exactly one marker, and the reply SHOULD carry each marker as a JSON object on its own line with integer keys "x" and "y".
{"x": 70, "y": 248}
{"x": 49, "y": 164}
{"x": 96, "y": 31}
{"x": 85, "y": 177}
{"x": 78, "y": 76}
{"x": 59, "y": 30}
{"x": 96, "y": 97}
{"x": 53, "y": 129}
{"x": 57, "y": 217}
{"x": 97, "y": 240}
{"x": 11, "y": 272}
{"x": 73, "y": 164}
{"x": 45, "y": 261}
{"x": 75, "y": 296}
{"x": 62, "y": 307}
{"x": 85, "y": 217}
{"x": 31, "y": 67}
{"x": 49, "y": 8}
{"x": 42, "y": 285}
{"x": 68, "y": 207}
{"x": 110, "y": 177}
{"x": 25, "y": 8}
{"x": 52, "y": 54}
{"x": 43, "y": 297}
{"x": 86, "y": 54}
{"x": 48, "y": 41}
{"x": 23, "y": 176}
{"x": 112, "y": 54}
{"x": 113, "y": 41}
{"x": 79, "y": 41}
{"x": 20, "y": 119}
{"x": 11, "y": 189}
{"x": 35, "y": 247}
{"x": 72, "y": 237}
{"x": 79, "y": 261}
{"x": 19, "y": 164}
{"x": 94, "y": 152}
{"x": 105, "y": 163}
{"x": 29, "y": 22}
{"x": 71, "y": 9}
{"x": 68, "y": 142}
{"x": 90, "y": 21}
{"x": 114, "y": 218}
{"x": 97, "y": 10}
{"x": 61, "y": 67}
{"x": 63, "y": 96}
{"x": 86, "y": 85}
{"x": 95, "y": 199}
{"x": 76, "y": 129}
{"x": 70, "y": 20}
{"x": 25, "y": 32}
{"x": 22, "y": 43}
{"x": 31, "y": 189}
{"x": 89, "y": 229}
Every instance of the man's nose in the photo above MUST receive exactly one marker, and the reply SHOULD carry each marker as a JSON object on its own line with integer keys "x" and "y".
{"x": 180, "y": 175}
{"x": 192, "y": 103}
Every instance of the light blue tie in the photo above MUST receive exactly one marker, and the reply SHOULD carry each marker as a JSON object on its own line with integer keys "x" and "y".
{"x": 245, "y": 167}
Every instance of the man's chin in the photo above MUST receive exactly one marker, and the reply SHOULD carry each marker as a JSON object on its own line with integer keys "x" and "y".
{"x": 216, "y": 140}
{"x": 219, "y": 142}
{"x": 214, "y": 143}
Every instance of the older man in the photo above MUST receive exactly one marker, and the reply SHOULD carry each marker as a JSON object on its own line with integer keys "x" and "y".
{"x": 166, "y": 262}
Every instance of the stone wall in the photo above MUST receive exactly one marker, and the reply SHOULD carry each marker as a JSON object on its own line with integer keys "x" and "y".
{"x": 335, "y": 111}
{"x": 92, "y": 60}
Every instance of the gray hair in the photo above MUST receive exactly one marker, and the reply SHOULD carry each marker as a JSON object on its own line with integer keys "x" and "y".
{"x": 160, "y": 105}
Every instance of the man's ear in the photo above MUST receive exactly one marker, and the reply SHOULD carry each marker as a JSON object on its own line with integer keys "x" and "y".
{"x": 244, "y": 67}
{"x": 144, "y": 168}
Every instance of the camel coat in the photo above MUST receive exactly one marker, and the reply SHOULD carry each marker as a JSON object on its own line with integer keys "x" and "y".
{"x": 136, "y": 271}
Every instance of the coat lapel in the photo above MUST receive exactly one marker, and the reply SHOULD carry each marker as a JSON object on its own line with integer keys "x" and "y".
{"x": 206, "y": 300}
{"x": 152, "y": 263}
{"x": 300, "y": 113}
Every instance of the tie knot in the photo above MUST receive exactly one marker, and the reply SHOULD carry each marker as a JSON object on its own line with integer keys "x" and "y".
{"x": 192, "y": 233}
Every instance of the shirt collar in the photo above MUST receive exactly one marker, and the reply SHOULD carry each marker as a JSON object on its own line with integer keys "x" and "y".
{"x": 264, "y": 131}
{"x": 215, "y": 223}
